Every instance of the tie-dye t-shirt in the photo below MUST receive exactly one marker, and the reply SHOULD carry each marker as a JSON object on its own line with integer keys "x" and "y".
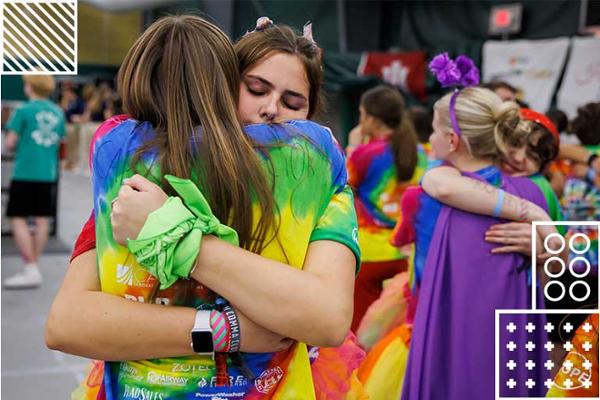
{"x": 372, "y": 175}
{"x": 314, "y": 203}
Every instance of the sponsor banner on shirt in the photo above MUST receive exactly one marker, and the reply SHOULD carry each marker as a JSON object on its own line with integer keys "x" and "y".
{"x": 405, "y": 70}
{"x": 532, "y": 66}
{"x": 581, "y": 82}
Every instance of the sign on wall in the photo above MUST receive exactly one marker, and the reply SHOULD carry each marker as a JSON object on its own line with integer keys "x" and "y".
{"x": 532, "y": 66}
{"x": 581, "y": 82}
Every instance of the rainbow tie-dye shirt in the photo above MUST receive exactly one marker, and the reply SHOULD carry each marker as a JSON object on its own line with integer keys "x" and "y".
{"x": 314, "y": 203}
{"x": 372, "y": 174}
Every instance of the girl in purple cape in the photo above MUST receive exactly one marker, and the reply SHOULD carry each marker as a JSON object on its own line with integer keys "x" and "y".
{"x": 463, "y": 283}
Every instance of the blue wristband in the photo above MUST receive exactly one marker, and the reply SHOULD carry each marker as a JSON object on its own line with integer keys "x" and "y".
{"x": 499, "y": 203}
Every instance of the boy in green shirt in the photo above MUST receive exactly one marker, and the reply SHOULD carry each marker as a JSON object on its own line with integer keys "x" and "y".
{"x": 34, "y": 132}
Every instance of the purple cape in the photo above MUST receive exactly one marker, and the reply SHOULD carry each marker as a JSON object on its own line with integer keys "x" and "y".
{"x": 452, "y": 348}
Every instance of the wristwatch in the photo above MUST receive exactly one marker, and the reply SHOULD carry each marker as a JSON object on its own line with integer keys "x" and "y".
{"x": 202, "y": 338}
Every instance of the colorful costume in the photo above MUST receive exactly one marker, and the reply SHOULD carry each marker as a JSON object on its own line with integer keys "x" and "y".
{"x": 313, "y": 203}
{"x": 452, "y": 345}
{"x": 372, "y": 175}
{"x": 571, "y": 378}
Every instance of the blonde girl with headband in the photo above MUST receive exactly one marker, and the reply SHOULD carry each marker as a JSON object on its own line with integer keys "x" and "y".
{"x": 461, "y": 282}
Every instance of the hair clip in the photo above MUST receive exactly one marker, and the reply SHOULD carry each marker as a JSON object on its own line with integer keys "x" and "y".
{"x": 307, "y": 33}
{"x": 263, "y": 23}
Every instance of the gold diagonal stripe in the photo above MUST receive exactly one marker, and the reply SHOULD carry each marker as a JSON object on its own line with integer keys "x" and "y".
{"x": 67, "y": 58}
{"x": 53, "y": 20}
{"x": 56, "y": 8}
{"x": 38, "y": 40}
{"x": 70, "y": 7}
{"x": 17, "y": 54}
{"x": 49, "y": 40}
{"x": 27, "y": 51}
{"x": 50, "y": 29}
{"x": 8, "y": 56}
{"x": 7, "y": 22}
{"x": 62, "y": 14}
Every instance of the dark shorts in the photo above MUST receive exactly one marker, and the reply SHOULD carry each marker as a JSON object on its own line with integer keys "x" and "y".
{"x": 31, "y": 199}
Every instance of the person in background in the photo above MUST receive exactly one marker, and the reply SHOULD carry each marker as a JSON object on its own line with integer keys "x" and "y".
{"x": 560, "y": 119}
{"x": 378, "y": 172}
{"x": 35, "y": 131}
{"x": 506, "y": 91}
{"x": 422, "y": 119}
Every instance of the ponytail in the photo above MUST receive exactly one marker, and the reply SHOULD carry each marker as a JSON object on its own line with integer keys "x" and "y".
{"x": 404, "y": 148}
{"x": 386, "y": 104}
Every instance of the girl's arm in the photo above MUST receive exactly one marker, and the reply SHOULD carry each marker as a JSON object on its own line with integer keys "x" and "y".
{"x": 89, "y": 323}
{"x": 448, "y": 186}
{"x": 312, "y": 305}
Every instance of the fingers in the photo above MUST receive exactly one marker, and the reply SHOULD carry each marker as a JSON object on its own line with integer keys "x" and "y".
{"x": 124, "y": 193}
{"x": 139, "y": 183}
{"x": 508, "y": 249}
{"x": 505, "y": 240}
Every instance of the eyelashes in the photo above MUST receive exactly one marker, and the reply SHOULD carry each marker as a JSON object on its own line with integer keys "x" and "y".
{"x": 292, "y": 102}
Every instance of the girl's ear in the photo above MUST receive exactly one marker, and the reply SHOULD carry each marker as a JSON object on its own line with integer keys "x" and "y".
{"x": 454, "y": 140}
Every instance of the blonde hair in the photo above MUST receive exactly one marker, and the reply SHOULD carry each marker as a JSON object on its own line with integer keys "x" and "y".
{"x": 487, "y": 124}
{"x": 41, "y": 85}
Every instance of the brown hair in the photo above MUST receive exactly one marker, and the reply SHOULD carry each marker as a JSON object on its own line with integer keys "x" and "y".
{"x": 542, "y": 145}
{"x": 181, "y": 76}
{"x": 586, "y": 125}
{"x": 253, "y": 47}
{"x": 387, "y": 105}
{"x": 487, "y": 124}
{"x": 41, "y": 85}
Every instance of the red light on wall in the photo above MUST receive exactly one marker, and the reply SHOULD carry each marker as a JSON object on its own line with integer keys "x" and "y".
{"x": 505, "y": 19}
{"x": 502, "y": 18}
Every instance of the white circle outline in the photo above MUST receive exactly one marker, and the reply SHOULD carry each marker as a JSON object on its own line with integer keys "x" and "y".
{"x": 555, "y": 299}
{"x": 580, "y": 299}
{"x": 587, "y": 239}
{"x": 586, "y": 262}
{"x": 564, "y": 243}
{"x": 562, "y": 271}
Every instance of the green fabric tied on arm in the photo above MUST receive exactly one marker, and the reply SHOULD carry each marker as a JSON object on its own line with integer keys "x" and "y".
{"x": 169, "y": 242}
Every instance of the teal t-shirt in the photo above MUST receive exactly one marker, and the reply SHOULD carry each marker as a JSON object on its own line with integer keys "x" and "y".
{"x": 40, "y": 124}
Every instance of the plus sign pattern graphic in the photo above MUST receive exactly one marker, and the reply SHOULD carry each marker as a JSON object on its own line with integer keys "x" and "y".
{"x": 525, "y": 366}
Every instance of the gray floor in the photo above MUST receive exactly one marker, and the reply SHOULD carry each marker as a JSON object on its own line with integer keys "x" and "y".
{"x": 29, "y": 369}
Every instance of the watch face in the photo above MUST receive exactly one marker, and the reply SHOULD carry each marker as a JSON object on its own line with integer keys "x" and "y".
{"x": 202, "y": 342}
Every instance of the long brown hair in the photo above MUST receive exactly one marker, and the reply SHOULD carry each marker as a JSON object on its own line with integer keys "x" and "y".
{"x": 387, "y": 105}
{"x": 253, "y": 47}
{"x": 181, "y": 75}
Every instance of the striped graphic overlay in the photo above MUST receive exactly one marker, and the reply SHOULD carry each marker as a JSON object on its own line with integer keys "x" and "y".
{"x": 39, "y": 36}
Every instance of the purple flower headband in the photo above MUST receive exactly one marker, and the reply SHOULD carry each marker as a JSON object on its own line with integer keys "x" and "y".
{"x": 454, "y": 73}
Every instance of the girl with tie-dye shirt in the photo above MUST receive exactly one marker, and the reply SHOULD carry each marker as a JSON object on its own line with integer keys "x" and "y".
{"x": 305, "y": 231}
{"x": 379, "y": 171}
